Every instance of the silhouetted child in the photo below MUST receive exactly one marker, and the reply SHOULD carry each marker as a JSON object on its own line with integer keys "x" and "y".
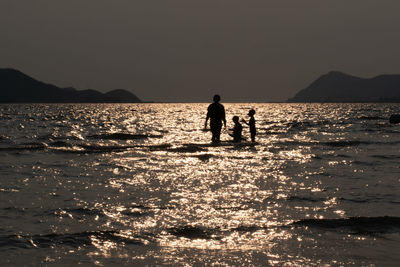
{"x": 237, "y": 130}
{"x": 252, "y": 125}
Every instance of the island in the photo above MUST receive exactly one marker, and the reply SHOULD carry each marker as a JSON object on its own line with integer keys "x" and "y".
{"x": 17, "y": 87}
{"x": 340, "y": 87}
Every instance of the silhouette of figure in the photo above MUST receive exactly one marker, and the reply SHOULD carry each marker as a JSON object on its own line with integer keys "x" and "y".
{"x": 237, "y": 130}
{"x": 216, "y": 114}
{"x": 252, "y": 125}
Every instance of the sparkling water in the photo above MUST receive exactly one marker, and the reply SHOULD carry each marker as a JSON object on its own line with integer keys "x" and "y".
{"x": 141, "y": 184}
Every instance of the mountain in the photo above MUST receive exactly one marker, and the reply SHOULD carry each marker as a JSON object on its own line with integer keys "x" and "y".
{"x": 340, "y": 87}
{"x": 17, "y": 87}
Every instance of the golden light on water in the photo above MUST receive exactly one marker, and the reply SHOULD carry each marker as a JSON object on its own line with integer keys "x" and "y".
{"x": 150, "y": 187}
{"x": 224, "y": 198}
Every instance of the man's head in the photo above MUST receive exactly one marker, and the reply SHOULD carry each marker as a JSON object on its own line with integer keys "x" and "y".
{"x": 235, "y": 119}
{"x": 216, "y": 98}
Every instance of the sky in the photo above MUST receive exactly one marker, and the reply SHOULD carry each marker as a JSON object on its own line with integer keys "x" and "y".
{"x": 187, "y": 50}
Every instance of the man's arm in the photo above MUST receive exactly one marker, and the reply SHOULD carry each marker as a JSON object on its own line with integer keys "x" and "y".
{"x": 208, "y": 116}
{"x": 205, "y": 124}
{"x": 223, "y": 117}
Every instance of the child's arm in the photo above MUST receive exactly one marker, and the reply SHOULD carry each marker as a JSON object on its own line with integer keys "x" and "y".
{"x": 245, "y": 122}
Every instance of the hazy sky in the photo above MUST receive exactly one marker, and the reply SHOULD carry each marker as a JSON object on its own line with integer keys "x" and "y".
{"x": 186, "y": 50}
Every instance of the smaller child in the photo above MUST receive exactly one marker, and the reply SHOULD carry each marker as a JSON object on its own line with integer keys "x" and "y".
{"x": 237, "y": 130}
{"x": 252, "y": 125}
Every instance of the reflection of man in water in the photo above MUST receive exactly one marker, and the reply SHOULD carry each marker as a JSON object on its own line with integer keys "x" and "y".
{"x": 216, "y": 114}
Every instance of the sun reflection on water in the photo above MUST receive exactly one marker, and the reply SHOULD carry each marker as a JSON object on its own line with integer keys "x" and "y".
{"x": 147, "y": 184}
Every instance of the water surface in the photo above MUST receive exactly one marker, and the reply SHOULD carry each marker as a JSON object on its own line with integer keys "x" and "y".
{"x": 112, "y": 184}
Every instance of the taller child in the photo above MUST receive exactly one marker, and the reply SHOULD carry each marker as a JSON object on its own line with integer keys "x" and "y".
{"x": 216, "y": 114}
{"x": 252, "y": 124}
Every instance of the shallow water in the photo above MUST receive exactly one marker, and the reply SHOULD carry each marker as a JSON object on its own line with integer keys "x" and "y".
{"x": 141, "y": 184}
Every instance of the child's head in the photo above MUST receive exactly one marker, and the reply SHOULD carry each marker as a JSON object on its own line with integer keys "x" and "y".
{"x": 235, "y": 119}
{"x": 252, "y": 112}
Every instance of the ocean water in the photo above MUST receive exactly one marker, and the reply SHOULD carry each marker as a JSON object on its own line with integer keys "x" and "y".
{"x": 140, "y": 184}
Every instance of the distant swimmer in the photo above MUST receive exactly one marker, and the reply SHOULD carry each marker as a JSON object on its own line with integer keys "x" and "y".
{"x": 216, "y": 114}
{"x": 252, "y": 125}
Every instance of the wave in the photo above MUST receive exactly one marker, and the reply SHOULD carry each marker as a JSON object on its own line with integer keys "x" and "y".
{"x": 348, "y": 143}
{"x": 132, "y": 211}
{"x": 371, "y": 199}
{"x": 345, "y": 143}
{"x": 189, "y": 148}
{"x": 26, "y": 146}
{"x": 75, "y": 147}
{"x": 70, "y": 239}
{"x": 341, "y": 143}
{"x": 123, "y": 136}
{"x": 200, "y": 147}
{"x": 64, "y": 147}
{"x": 358, "y": 225}
{"x": 307, "y": 199}
{"x": 385, "y": 156}
{"x": 297, "y": 143}
{"x": 67, "y": 147}
{"x": 307, "y": 124}
{"x": 364, "y": 118}
{"x": 140, "y": 210}
{"x": 60, "y": 144}
{"x": 78, "y": 211}
{"x": 193, "y": 232}
{"x": 203, "y": 157}
{"x": 103, "y": 148}
{"x": 200, "y": 232}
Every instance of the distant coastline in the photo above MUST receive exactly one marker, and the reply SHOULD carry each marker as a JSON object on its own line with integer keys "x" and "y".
{"x": 17, "y": 87}
{"x": 338, "y": 87}
{"x": 333, "y": 87}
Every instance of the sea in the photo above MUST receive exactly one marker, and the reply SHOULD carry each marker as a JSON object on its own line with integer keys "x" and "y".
{"x": 142, "y": 185}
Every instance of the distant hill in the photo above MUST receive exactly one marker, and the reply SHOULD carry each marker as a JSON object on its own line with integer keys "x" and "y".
{"x": 17, "y": 87}
{"x": 340, "y": 87}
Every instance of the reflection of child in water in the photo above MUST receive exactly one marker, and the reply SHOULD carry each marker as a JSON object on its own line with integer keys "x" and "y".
{"x": 237, "y": 130}
{"x": 252, "y": 125}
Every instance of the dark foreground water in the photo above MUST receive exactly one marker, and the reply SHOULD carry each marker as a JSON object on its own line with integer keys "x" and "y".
{"x": 141, "y": 184}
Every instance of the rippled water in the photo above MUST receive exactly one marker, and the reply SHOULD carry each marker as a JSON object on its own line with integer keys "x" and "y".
{"x": 141, "y": 184}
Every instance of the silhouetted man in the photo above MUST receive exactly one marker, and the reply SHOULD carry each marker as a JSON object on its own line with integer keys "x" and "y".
{"x": 216, "y": 114}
